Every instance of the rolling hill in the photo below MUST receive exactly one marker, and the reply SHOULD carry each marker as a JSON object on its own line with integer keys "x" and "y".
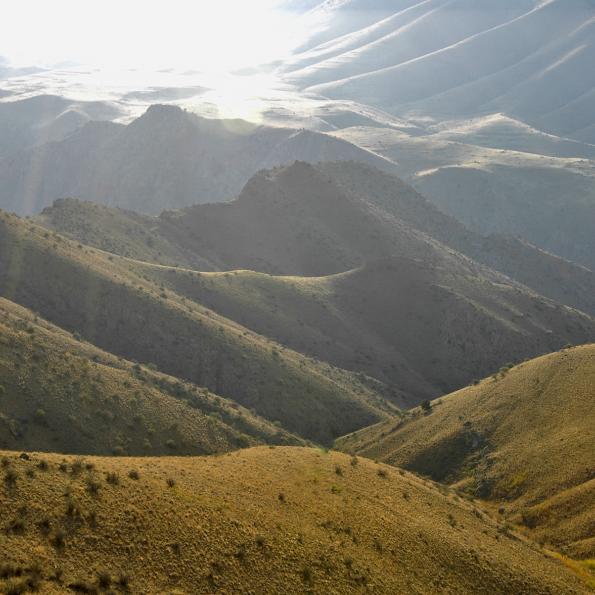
{"x": 58, "y": 393}
{"x": 117, "y": 307}
{"x": 522, "y": 439}
{"x": 168, "y": 158}
{"x": 288, "y": 520}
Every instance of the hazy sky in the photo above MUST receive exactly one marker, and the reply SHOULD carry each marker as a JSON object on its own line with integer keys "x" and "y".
{"x": 198, "y": 34}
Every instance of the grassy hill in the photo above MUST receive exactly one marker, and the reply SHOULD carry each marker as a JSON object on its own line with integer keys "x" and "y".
{"x": 522, "y": 439}
{"x": 58, "y": 393}
{"x": 113, "y": 306}
{"x": 288, "y": 520}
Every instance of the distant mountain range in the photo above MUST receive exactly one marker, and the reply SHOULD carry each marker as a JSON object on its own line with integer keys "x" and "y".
{"x": 166, "y": 159}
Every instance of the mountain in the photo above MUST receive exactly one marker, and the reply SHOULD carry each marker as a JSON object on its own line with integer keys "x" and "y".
{"x": 59, "y": 393}
{"x": 437, "y": 58}
{"x": 119, "y": 308}
{"x": 289, "y": 520}
{"x": 168, "y": 158}
{"x": 522, "y": 439}
{"x": 351, "y": 282}
{"x": 25, "y": 123}
{"x": 547, "y": 201}
{"x": 168, "y": 239}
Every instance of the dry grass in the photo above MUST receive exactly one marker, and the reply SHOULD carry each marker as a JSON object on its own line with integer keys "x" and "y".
{"x": 523, "y": 439}
{"x": 222, "y": 527}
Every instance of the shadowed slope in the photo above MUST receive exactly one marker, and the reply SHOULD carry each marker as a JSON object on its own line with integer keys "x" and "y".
{"x": 114, "y": 307}
{"x": 58, "y": 393}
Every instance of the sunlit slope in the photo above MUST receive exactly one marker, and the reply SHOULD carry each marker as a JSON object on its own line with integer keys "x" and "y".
{"x": 283, "y": 520}
{"x": 524, "y": 438}
{"x": 59, "y": 393}
{"x": 112, "y": 306}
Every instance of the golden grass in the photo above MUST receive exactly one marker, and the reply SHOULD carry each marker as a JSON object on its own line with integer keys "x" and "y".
{"x": 262, "y": 520}
{"x": 523, "y": 439}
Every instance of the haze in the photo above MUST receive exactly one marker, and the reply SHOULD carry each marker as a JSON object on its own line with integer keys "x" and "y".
{"x": 204, "y": 35}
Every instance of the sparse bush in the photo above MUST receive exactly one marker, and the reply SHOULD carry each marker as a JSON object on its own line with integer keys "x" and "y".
{"x": 281, "y": 497}
{"x": 354, "y": 461}
{"x": 104, "y": 579}
{"x": 426, "y": 406}
{"x": 171, "y": 482}
{"x": 44, "y": 526}
{"x": 260, "y": 540}
{"x": 112, "y": 478}
{"x": 10, "y": 477}
{"x": 59, "y": 539}
{"x": 43, "y": 465}
{"x": 134, "y": 474}
{"x": 93, "y": 486}
{"x": 339, "y": 470}
{"x": 382, "y": 473}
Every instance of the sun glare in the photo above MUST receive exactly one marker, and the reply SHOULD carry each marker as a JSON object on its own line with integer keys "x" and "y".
{"x": 205, "y": 35}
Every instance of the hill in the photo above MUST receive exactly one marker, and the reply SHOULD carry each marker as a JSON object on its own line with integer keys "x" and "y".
{"x": 58, "y": 393}
{"x": 168, "y": 158}
{"x": 116, "y": 306}
{"x": 412, "y": 312}
{"x": 272, "y": 520}
{"x": 522, "y": 439}
{"x": 173, "y": 239}
{"x": 423, "y": 327}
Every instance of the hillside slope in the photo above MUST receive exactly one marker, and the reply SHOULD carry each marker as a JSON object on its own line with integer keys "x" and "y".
{"x": 169, "y": 239}
{"x": 282, "y": 520}
{"x": 424, "y": 327}
{"x": 113, "y": 306}
{"x": 168, "y": 158}
{"x": 523, "y": 439}
{"x": 58, "y": 393}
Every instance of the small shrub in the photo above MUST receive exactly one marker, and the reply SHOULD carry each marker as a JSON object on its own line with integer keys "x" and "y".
{"x": 59, "y": 539}
{"x": 44, "y": 526}
{"x": 134, "y": 474}
{"x": 426, "y": 406}
{"x": 93, "y": 486}
{"x": 382, "y": 473}
{"x": 339, "y": 470}
{"x": 354, "y": 461}
{"x": 260, "y": 540}
{"x": 171, "y": 482}
{"x": 104, "y": 579}
{"x": 10, "y": 477}
{"x": 43, "y": 465}
{"x": 112, "y": 478}
{"x": 281, "y": 497}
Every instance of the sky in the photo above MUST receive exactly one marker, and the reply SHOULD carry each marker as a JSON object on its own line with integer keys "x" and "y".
{"x": 205, "y": 35}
